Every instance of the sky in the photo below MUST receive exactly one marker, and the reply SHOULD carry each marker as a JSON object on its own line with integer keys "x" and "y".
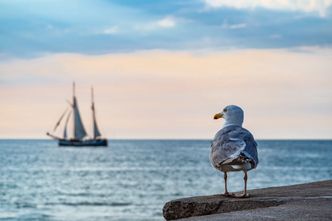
{"x": 163, "y": 68}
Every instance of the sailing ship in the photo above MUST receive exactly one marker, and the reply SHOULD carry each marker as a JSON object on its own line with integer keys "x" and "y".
{"x": 79, "y": 135}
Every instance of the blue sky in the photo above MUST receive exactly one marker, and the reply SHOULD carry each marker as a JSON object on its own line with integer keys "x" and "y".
{"x": 36, "y": 27}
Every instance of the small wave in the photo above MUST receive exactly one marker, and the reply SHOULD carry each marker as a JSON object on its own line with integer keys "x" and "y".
{"x": 7, "y": 215}
{"x": 83, "y": 194}
{"x": 92, "y": 204}
{"x": 21, "y": 205}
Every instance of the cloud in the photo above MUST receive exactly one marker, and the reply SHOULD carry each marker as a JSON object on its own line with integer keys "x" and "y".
{"x": 111, "y": 30}
{"x": 317, "y": 6}
{"x": 164, "y": 23}
{"x": 234, "y": 26}
{"x": 167, "y": 22}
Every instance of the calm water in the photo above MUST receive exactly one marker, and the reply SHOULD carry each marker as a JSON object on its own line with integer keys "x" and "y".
{"x": 131, "y": 180}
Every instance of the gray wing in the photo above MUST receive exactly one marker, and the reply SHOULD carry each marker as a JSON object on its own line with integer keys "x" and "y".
{"x": 250, "y": 151}
{"x": 232, "y": 142}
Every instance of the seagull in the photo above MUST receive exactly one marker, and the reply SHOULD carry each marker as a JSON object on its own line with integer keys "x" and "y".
{"x": 233, "y": 147}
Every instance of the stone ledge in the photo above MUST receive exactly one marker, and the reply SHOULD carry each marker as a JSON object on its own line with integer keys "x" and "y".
{"x": 260, "y": 198}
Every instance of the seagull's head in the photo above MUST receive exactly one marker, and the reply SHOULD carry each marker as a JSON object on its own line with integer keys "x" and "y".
{"x": 232, "y": 114}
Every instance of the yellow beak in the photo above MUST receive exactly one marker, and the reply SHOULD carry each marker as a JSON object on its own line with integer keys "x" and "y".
{"x": 217, "y": 116}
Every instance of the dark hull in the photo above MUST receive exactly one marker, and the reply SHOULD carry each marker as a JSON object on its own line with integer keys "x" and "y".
{"x": 84, "y": 143}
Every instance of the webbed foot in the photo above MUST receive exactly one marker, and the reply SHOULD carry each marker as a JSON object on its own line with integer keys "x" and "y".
{"x": 227, "y": 194}
{"x": 240, "y": 195}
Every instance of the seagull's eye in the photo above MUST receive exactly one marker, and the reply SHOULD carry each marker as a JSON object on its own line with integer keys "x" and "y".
{"x": 225, "y": 110}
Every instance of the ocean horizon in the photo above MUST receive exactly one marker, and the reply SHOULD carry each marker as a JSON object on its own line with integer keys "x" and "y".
{"x": 132, "y": 179}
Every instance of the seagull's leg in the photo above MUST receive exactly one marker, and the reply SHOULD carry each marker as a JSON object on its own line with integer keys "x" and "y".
{"x": 245, "y": 194}
{"x": 245, "y": 178}
{"x": 225, "y": 179}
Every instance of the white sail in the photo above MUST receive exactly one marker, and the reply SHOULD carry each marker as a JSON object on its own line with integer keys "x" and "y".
{"x": 79, "y": 131}
{"x": 95, "y": 130}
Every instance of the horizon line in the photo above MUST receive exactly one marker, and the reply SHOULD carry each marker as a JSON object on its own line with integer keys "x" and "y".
{"x": 170, "y": 139}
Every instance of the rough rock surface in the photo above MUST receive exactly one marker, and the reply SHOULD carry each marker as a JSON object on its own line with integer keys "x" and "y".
{"x": 311, "y": 201}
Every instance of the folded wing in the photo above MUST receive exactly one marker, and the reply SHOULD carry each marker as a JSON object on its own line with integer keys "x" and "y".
{"x": 232, "y": 142}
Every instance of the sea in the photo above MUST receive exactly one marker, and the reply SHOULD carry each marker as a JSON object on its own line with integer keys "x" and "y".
{"x": 133, "y": 179}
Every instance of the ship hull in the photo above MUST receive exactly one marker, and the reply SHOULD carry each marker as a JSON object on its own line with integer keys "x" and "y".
{"x": 84, "y": 143}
